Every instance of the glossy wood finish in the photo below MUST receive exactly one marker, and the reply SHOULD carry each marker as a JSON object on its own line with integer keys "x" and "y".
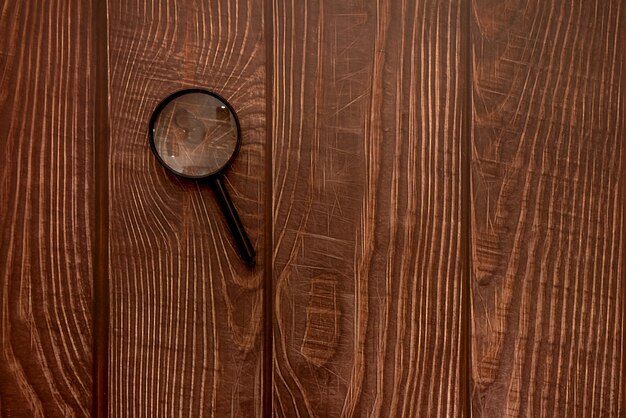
{"x": 186, "y": 312}
{"x": 46, "y": 195}
{"x": 367, "y": 208}
{"x": 547, "y": 205}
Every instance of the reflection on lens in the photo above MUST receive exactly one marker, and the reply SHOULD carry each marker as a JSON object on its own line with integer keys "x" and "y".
{"x": 195, "y": 134}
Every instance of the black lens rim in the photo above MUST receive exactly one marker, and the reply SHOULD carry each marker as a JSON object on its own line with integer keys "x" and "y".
{"x": 157, "y": 111}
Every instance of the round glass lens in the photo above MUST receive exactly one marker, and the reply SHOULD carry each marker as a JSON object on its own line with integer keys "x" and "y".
{"x": 195, "y": 134}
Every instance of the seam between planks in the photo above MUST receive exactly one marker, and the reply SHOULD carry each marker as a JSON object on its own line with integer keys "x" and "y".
{"x": 466, "y": 208}
{"x": 268, "y": 276}
{"x": 101, "y": 210}
{"x": 622, "y": 125}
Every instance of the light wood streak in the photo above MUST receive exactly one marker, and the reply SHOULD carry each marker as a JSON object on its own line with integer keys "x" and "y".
{"x": 46, "y": 191}
{"x": 186, "y": 312}
{"x": 367, "y": 186}
{"x": 547, "y": 205}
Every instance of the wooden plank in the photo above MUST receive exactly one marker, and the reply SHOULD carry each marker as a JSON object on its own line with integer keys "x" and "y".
{"x": 186, "y": 313}
{"x": 368, "y": 272}
{"x": 547, "y": 204}
{"x": 46, "y": 202}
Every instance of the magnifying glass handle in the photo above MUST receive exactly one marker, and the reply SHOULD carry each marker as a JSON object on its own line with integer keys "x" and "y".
{"x": 234, "y": 223}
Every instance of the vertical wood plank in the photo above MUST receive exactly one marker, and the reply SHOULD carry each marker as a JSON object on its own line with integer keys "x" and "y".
{"x": 186, "y": 313}
{"x": 547, "y": 203}
{"x": 46, "y": 202}
{"x": 368, "y": 259}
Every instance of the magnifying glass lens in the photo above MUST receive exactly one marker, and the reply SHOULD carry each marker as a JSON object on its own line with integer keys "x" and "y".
{"x": 195, "y": 134}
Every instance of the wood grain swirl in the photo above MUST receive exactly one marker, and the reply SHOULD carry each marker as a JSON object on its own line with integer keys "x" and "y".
{"x": 186, "y": 312}
{"x": 367, "y": 214}
{"x": 547, "y": 208}
{"x": 46, "y": 195}
{"x": 323, "y": 315}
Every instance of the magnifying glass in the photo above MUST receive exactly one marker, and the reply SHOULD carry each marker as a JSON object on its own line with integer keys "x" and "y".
{"x": 195, "y": 134}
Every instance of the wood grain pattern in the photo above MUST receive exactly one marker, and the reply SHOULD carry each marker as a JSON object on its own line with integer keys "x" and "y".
{"x": 367, "y": 208}
{"x": 46, "y": 195}
{"x": 186, "y": 313}
{"x": 365, "y": 201}
{"x": 547, "y": 196}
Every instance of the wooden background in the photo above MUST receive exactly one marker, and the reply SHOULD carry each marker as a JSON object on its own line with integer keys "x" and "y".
{"x": 368, "y": 250}
{"x": 547, "y": 209}
{"x": 186, "y": 314}
{"x": 434, "y": 189}
{"x": 47, "y": 223}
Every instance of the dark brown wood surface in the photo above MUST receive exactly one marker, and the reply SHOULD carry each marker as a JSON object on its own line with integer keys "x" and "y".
{"x": 399, "y": 157}
{"x": 368, "y": 271}
{"x": 46, "y": 195}
{"x": 186, "y": 313}
{"x": 547, "y": 205}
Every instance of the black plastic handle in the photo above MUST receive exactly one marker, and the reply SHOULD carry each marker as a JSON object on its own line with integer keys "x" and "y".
{"x": 234, "y": 223}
